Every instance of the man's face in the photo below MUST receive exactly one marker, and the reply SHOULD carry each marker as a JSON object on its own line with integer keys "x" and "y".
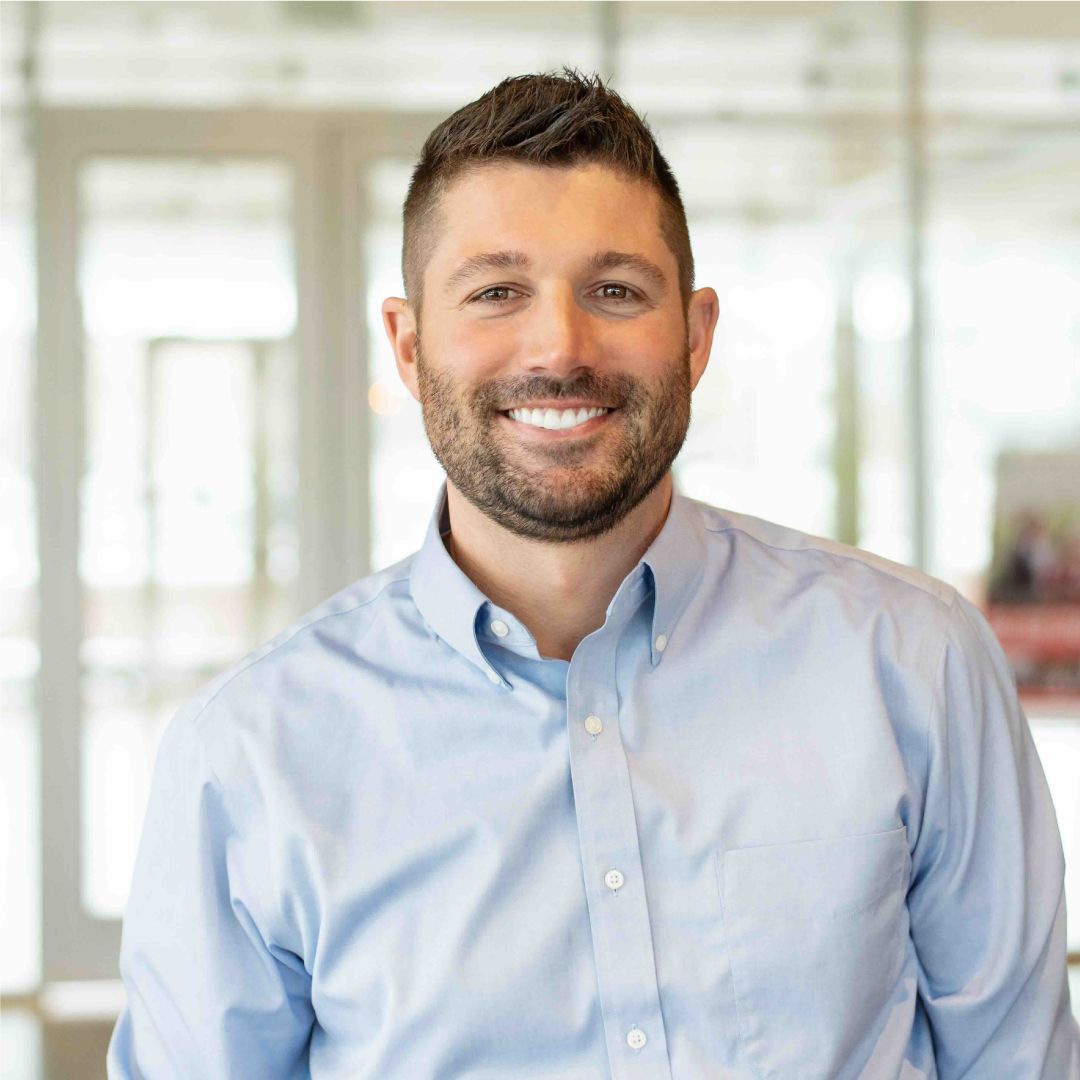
{"x": 550, "y": 294}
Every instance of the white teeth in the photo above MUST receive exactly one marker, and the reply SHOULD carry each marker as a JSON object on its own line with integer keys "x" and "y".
{"x": 555, "y": 419}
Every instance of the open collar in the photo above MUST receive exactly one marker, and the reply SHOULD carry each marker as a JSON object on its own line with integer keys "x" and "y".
{"x": 451, "y": 603}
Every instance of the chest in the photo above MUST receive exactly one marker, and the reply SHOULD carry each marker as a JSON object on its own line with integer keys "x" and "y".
{"x": 507, "y": 860}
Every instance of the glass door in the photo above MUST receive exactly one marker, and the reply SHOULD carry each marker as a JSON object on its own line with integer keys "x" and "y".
{"x": 175, "y": 520}
{"x": 187, "y": 544}
{"x": 204, "y": 361}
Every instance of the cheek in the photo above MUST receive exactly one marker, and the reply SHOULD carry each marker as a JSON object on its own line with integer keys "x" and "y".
{"x": 476, "y": 350}
{"x": 646, "y": 350}
{"x": 656, "y": 332}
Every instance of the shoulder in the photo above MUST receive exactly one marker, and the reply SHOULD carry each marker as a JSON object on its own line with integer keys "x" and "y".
{"x": 834, "y": 594}
{"x": 287, "y": 673}
{"x": 855, "y": 602}
{"x": 790, "y": 554}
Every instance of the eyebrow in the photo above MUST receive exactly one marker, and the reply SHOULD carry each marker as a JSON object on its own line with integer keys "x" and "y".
{"x": 619, "y": 260}
{"x": 601, "y": 262}
{"x": 489, "y": 260}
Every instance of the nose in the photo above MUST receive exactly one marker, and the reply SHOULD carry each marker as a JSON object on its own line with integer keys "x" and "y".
{"x": 561, "y": 338}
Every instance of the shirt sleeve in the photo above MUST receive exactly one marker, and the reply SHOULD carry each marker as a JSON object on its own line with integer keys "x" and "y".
{"x": 206, "y": 996}
{"x": 987, "y": 900}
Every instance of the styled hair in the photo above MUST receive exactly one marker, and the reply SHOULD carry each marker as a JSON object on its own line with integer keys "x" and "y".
{"x": 548, "y": 120}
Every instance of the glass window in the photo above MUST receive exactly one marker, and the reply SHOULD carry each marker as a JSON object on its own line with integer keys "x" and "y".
{"x": 188, "y": 546}
{"x": 786, "y": 225}
{"x": 1004, "y": 303}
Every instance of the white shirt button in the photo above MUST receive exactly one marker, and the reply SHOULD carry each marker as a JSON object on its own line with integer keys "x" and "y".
{"x": 593, "y": 724}
{"x": 661, "y": 642}
{"x": 636, "y": 1038}
{"x": 499, "y": 628}
{"x": 492, "y": 677}
{"x": 613, "y": 879}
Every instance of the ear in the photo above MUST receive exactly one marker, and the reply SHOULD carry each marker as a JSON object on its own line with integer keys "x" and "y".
{"x": 400, "y": 324}
{"x": 701, "y": 316}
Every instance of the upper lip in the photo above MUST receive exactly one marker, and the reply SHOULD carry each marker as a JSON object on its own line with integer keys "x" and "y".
{"x": 559, "y": 405}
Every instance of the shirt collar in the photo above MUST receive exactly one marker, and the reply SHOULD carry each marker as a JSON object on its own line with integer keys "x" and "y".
{"x": 446, "y": 597}
{"x": 676, "y": 563}
{"x": 450, "y": 602}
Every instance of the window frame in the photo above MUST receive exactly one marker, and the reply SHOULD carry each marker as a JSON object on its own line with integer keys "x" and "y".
{"x": 326, "y": 152}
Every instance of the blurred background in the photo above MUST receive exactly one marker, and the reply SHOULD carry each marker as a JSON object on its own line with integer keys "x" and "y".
{"x": 202, "y": 433}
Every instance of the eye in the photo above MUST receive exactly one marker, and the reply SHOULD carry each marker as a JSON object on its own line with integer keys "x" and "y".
{"x": 613, "y": 291}
{"x": 497, "y": 294}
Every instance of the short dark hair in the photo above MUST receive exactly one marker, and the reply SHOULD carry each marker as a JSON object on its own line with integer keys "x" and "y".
{"x": 552, "y": 120}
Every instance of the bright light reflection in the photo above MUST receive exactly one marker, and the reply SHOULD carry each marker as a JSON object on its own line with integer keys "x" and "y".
{"x": 116, "y": 781}
{"x": 881, "y": 307}
{"x": 165, "y": 282}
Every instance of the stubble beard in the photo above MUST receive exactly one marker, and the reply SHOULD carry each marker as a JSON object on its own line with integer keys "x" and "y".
{"x": 566, "y": 491}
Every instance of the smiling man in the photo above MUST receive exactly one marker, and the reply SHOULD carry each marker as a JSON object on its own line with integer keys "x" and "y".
{"x": 602, "y": 781}
{"x": 565, "y": 343}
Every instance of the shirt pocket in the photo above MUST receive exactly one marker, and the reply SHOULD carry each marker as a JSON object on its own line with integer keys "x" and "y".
{"x": 817, "y": 938}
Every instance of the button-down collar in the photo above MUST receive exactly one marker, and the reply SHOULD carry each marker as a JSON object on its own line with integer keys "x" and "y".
{"x": 454, "y": 607}
{"x": 446, "y": 597}
{"x": 676, "y": 560}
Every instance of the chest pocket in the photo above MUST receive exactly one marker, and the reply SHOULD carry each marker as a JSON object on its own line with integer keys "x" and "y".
{"x": 817, "y": 937}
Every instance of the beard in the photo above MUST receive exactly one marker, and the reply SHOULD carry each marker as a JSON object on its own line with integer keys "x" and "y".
{"x": 571, "y": 490}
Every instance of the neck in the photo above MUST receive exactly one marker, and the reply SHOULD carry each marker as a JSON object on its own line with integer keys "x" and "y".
{"x": 560, "y": 592}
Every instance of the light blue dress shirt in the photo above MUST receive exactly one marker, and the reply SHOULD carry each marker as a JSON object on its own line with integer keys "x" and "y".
{"x": 780, "y": 816}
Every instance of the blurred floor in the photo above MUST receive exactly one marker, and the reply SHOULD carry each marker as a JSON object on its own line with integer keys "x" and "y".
{"x": 72, "y": 1050}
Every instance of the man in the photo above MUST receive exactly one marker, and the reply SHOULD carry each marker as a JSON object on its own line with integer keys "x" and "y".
{"x": 602, "y": 781}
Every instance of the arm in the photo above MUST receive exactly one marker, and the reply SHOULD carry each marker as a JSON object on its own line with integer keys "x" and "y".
{"x": 987, "y": 897}
{"x": 207, "y": 996}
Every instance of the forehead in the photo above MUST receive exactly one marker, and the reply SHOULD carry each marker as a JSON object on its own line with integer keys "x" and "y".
{"x": 547, "y": 211}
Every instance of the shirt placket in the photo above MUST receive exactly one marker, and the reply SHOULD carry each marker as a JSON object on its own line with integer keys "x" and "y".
{"x": 611, "y": 855}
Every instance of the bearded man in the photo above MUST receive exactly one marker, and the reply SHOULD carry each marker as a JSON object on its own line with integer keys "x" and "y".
{"x": 602, "y": 781}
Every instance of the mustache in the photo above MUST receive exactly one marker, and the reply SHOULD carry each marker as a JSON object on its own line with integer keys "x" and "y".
{"x": 501, "y": 394}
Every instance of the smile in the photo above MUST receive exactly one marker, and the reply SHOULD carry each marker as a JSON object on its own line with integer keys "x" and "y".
{"x": 555, "y": 419}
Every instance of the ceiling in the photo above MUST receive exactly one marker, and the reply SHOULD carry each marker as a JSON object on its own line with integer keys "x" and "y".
{"x": 768, "y": 111}
{"x": 772, "y": 60}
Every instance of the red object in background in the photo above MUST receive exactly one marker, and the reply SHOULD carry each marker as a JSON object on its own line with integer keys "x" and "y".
{"x": 1042, "y": 642}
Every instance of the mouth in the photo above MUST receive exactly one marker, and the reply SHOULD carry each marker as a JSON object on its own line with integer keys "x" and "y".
{"x": 579, "y": 420}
